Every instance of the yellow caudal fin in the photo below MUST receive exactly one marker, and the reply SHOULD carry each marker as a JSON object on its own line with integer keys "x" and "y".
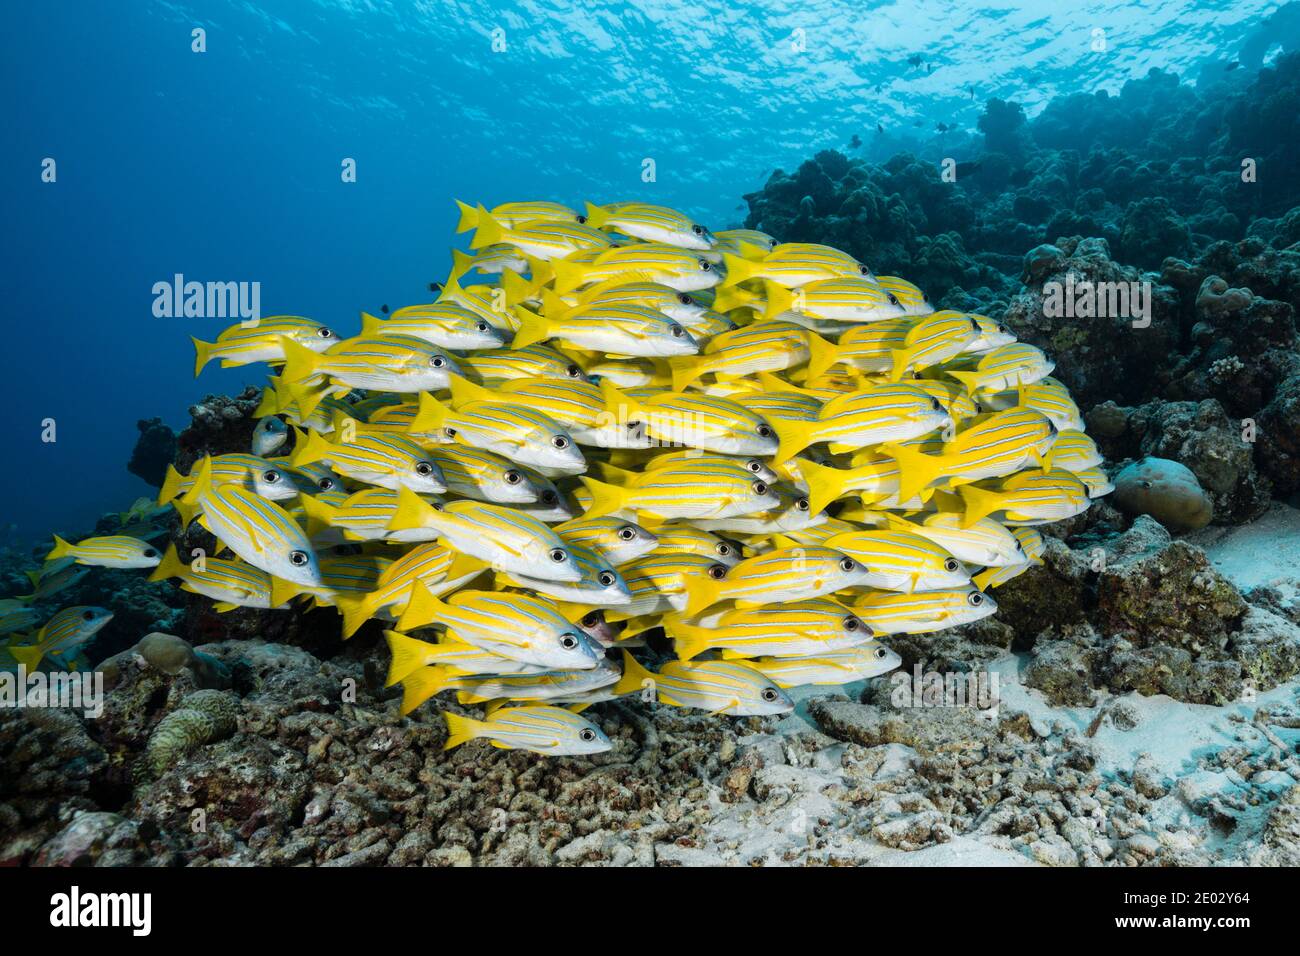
{"x": 612, "y": 474}
{"x": 419, "y": 685}
{"x": 461, "y": 263}
{"x": 597, "y": 216}
{"x": 463, "y": 391}
{"x": 634, "y": 676}
{"x": 300, "y": 362}
{"x": 622, "y": 406}
{"x": 540, "y": 272}
{"x": 29, "y": 655}
{"x": 459, "y": 729}
{"x": 605, "y": 499}
{"x": 430, "y": 416}
{"x": 488, "y": 230}
{"x": 701, "y": 594}
{"x": 199, "y": 487}
{"x": 465, "y": 566}
{"x": 422, "y": 609}
{"x": 320, "y": 516}
{"x": 202, "y": 354}
{"x": 979, "y": 504}
{"x": 468, "y": 217}
{"x": 270, "y": 401}
{"x": 371, "y": 324}
{"x": 532, "y": 329}
{"x": 282, "y": 591}
{"x": 568, "y": 275}
{"x": 969, "y": 380}
{"x": 408, "y": 655}
{"x": 688, "y": 640}
{"x": 916, "y": 471}
{"x": 779, "y": 299}
{"x": 553, "y": 307}
{"x": 821, "y": 355}
{"x": 738, "y": 269}
{"x": 687, "y": 369}
{"x": 825, "y": 485}
{"x": 171, "y": 486}
{"x": 516, "y": 287}
{"x": 60, "y": 549}
{"x": 794, "y": 438}
{"x": 170, "y": 566}
{"x": 900, "y": 359}
{"x": 304, "y": 399}
{"x": 412, "y": 511}
{"x": 356, "y": 610}
{"x": 310, "y": 450}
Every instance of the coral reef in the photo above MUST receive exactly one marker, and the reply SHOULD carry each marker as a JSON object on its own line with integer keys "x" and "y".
{"x": 154, "y": 451}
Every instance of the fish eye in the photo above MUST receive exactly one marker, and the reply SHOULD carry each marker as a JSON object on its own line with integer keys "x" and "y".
{"x": 582, "y": 220}
{"x": 1144, "y": 483}
{"x": 559, "y": 555}
{"x": 760, "y": 488}
{"x": 764, "y": 430}
{"x": 975, "y": 599}
{"x": 847, "y": 564}
{"x": 437, "y": 361}
{"x": 1002, "y": 328}
{"x": 559, "y": 441}
{"x": 325, "y": 484}
{"x": 705, "y": 266}
{"x": 449, "y": 432}
{"x": 606, "y": 579}
{"x": 803, "y": 504}
{"x": 481, "y": 327}
{"x": 864, "y": 270}
{"x": 770, "y": 695}
{"x": 271, "y": 477}
{"x": 632, "y": 426}
{"x": 717, "y": 571}
{"x": 685, "y": 299}
{"x": 850, "y": 623}
{"x": 549, "y": 497}
{"x": 979, "y": 408}
{"x": 676, "y": 331}
{"x": 586, "y": 735}
{"x": 150, "y": 553}
{"x": 591, "y": 620}
{"x": 325, "y": 333}
{"x": 934, "y": 403}
{"x": 722, "y": 548}
{"x": 627, "y": 532}
{"x": 569, "y": 641}
{"x": 423, "y": 469}
{"x": 950, "y": 564}
{"x": 698, "y": 230}
{"x": 88, "y": 615}
{"x": 573, "y": 371}
{"x": 513, "y": 477}
{"x": 297, "y": 558}
{"x": 754, "y": 464}
{"x": 893, "y": 299}
{"x": 881, "y": 653}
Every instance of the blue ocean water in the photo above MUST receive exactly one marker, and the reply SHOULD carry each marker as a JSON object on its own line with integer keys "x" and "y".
{"x": 225, "y": 165}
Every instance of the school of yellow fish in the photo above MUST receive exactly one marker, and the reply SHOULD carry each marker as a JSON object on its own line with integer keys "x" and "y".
{"x": 626, "y": 422}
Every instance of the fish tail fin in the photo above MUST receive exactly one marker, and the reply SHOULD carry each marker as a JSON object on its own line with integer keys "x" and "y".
{"x": 269, "y": 404}
{"x": 738, "y": 269}
{"x": 461, "y": 263}
{"x": 200, "y": 486}
{"x": 430, "y": 416}
{"x": 701, "y": 594}
{"x": 412, "y": 511}
{"x": 568, "y": 275}
{"x": 983, "y": 579}
{"x": 170, "y": 566}
{"x": 409, "y": 654}
{"x": 553, "y": 307}
{"x": 310, "y": 451}
{"x": 282, "y": 591}
{"x": 617, "y": 402}
{"x": 821, "y": 355}
{"x": 969, "y": 380}
{"x": 60, "y": 549}
{"x": 540, "y": 272}
{"x": 779, "y": 299}
{"x": 468, "y": 217}
{"x": 688, "y": 640}
{"x": 304, "y": 399}
{"x": 371, "y": 324}
{"x": 634, "y": 675}
{"x": 900, "y": 359}
{"x": 794, "y": 438}
{"x": 597, "y": 216}
{"x": 606, "y": 499}
{"x": 516, "y": 287}
{"x": 320, "y": 515}
{"x": 825, "y": 485}
{"x": 488, "y": 231}
{"x": 686, "y": 369}
{"x": 356, "y": 611}
{"x": 171, "y": 486}
{"x": 916, "y": 471}
{"x": 980, "y": 503}
{"x": 422, "y": 609}
{"x": 533, "y": 328}
{"x": 300, "y": 362}
{"x": 420, "y": 685}
{"x": 202, "y": 354}
{"x": 29, "y": 655}
{"x": 460, "y": 729}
